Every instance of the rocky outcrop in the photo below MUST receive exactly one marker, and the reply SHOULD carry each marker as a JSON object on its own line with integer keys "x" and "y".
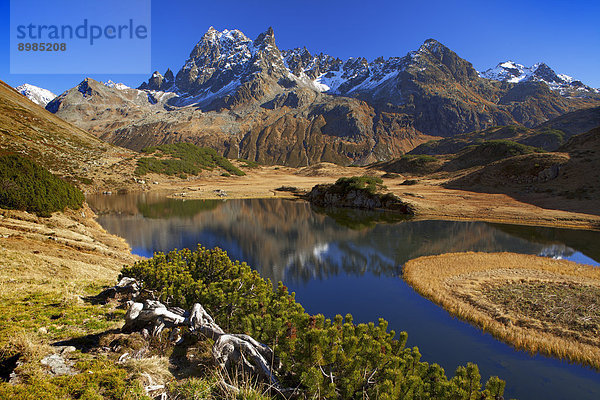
{"x": 159, "y": 82}
{"x": 328, "y": 195}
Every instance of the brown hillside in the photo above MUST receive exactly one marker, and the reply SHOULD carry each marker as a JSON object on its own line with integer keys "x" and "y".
{"x": 26, "y": 128}
{"x": 569, "y": 180}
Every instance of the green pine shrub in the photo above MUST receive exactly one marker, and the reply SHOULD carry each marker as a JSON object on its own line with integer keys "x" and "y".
{"x": 183, "y": 158}
{"x": 26, "y": 186}
{"x": 369, "y": 183}
{"x": 99, "y": 379}
{"x": 333, "y": 359}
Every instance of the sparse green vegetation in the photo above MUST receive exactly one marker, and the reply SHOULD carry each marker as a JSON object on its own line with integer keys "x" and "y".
{"x": 65, "y": 319}
{"x": 419, "y": 158}
{"x": 32, "y": 318}
{"x": 488, "y": 152}
{"x": 557, "y": 134}
{"x": 24, "y": 185}
{"x": 506, "y": 130}
{"x": 183, "y": 159}
{"x": 210, "y": 388}
{"x": 505, "y": 148}
{"x": 100, "y": 379}
{"x": 324, "y": 358}
{"x": 248, "y": 163}
{"x": 547, "y": 139}
{"x": 410, "y": 163}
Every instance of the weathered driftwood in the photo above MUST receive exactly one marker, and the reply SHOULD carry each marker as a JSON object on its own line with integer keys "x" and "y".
{"x": 229, "y": 350}
{"x": 126, "y": 287}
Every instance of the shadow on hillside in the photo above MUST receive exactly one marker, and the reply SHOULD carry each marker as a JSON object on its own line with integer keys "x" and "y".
{"x": 87, "y": 343}
{"x": 570, "y": 201}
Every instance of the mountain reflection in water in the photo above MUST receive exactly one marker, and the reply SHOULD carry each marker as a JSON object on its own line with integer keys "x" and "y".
{"x": 291, "y": 241}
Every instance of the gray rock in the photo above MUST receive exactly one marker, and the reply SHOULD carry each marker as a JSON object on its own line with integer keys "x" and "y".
{"x": 548, "y": 173}
{"x": 68, "y": 349}
{"x": 58, "y": 365}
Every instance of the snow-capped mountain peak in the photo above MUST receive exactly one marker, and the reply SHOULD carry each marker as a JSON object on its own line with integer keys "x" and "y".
{"x": 36, "y": 94}
{"x": 220, "y": 63}
{"x": 508, "y": 71}
{"x": 512, "y": 72}
{"x": 226, "y": 67}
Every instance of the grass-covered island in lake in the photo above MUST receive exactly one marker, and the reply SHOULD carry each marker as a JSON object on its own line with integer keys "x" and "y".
{"x": 538, "y": 304}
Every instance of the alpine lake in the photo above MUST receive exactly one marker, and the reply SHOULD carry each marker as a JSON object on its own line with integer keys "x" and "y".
{"x": 341, "y": 261}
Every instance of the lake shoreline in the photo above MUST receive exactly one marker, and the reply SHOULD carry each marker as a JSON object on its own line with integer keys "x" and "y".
{"x": 428, "y": 197}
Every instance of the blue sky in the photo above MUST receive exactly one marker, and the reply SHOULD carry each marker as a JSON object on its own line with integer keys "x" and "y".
{"x": 565, "y": 35}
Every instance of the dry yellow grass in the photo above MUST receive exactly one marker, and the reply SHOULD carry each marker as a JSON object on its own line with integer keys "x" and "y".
{"x": 461, "y": 283}
{"x": 47, "y": 265}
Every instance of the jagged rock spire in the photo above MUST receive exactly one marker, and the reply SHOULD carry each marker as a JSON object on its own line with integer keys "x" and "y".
{"x": 266, "y": 38}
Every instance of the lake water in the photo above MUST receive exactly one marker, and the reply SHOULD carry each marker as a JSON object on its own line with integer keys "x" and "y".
{"x": 349, "y": 261}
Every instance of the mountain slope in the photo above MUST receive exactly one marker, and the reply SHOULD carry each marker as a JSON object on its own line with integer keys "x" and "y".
{"x": 548, "y": 136}
{"x": 295, "y": 128}
{"x": 28, "y": 129}
{"x": 566, "y": 180}
{"x": 246, "y": 98}
{"x": 574, "y": 123}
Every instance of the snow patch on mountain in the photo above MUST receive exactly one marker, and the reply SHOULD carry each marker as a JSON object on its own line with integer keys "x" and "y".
{"x": 207, "y": 95}
{"x": 36, "y": 94}
{"x": 330, "y": 81}
{"x": 112, "y": 84}
{"x": 334, "y": 76}
{"x": 510, "y": 71}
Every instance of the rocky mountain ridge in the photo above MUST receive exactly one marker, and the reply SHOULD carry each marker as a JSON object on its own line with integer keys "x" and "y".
{"x": 246, "y": 98}
{"x": 221, "y": 59}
